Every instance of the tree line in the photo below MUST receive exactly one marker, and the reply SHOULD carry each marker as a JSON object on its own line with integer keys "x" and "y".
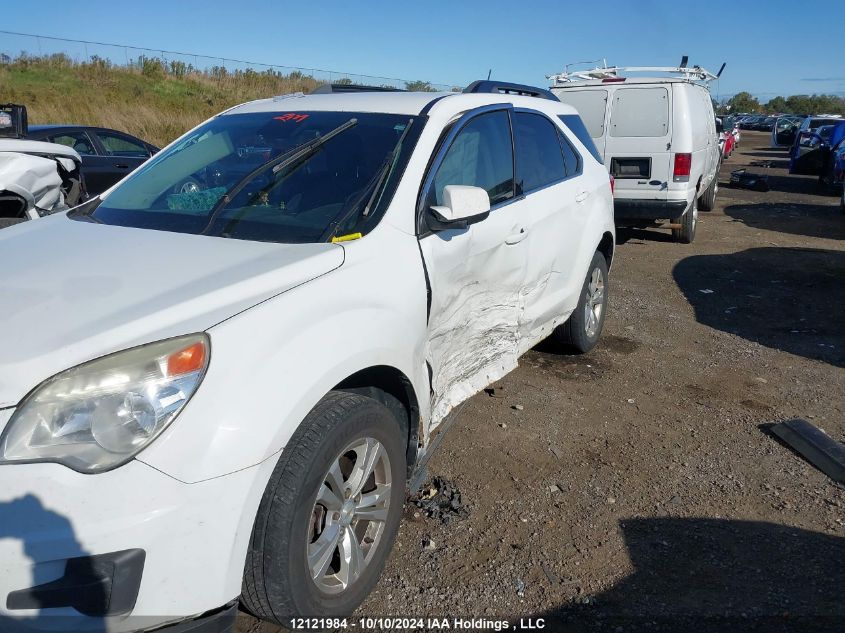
{"x": 795, "y": 104}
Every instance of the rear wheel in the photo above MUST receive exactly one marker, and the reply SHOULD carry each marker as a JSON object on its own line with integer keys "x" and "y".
{"x": 708, "y": 198}
{"x": 688, "y": 222}
{"x": 583, "y": 329}
{"x": 330, "y": 513}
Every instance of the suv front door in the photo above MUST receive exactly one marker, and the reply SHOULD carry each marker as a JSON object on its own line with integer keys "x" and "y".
{"x": 475, "y": 273}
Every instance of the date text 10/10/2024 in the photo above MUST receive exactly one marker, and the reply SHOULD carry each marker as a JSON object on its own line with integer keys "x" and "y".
{"x": 409, "y": 624}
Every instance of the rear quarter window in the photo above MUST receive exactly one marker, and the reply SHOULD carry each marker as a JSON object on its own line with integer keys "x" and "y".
{"x": 591, "y": 105}
{"x": 640, "y": 112}
{"x": 577, "y": 127}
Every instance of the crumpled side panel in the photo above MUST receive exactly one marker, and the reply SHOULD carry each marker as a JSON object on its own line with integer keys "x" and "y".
{"x": 474, "y": 343}
{"x": 474, "y": 323}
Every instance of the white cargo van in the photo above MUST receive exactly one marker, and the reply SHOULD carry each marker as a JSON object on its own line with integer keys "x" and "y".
{"x": 657, "y": 135}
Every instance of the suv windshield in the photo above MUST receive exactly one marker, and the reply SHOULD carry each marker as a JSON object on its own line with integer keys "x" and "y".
{"x": 269, "y": 176}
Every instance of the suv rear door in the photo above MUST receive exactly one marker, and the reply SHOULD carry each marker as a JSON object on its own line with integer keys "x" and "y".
{"x": 639, "y": 138}
{"x": 475, "y": 274}
{"x": 556, "y": 202}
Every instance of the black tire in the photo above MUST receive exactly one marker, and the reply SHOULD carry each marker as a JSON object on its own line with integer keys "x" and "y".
{"x": 574, "y": 335}
{"x": 688, "y": 222}
{"x": 707, "y": 202}
{"x": 278, "y": 584}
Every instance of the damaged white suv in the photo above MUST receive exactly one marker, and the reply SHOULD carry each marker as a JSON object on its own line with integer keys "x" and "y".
{"x": 218, "y": 378}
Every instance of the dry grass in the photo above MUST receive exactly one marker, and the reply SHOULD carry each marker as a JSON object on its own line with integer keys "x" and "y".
{"x": 147, "y": 99}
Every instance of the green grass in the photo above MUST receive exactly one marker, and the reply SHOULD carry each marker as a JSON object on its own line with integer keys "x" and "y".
{"x": 148, "y": 99}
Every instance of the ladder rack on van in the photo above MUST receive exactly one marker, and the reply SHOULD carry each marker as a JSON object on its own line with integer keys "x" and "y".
{"x": 612, "y": 73}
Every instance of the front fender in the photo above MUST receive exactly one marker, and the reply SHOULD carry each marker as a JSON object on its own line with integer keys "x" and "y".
{"x": 271, "y": 364}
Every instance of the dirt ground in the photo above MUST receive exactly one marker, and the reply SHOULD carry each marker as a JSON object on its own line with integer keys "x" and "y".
{"x": 636, "y": 488}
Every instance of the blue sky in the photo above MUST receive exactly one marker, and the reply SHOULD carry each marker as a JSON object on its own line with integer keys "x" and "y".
{"x": 777, "y": 47}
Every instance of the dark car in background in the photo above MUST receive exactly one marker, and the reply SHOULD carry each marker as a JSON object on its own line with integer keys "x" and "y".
{"x": 107, "y": 155}
{"x": 766, "y": 124}
{"x": 748, "y": 122}
{"x": 811, "y": 146}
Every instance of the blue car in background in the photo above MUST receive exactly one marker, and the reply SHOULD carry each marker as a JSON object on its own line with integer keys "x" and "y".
{"x": 832, "y": 172}
{"x": 815, "y": 138}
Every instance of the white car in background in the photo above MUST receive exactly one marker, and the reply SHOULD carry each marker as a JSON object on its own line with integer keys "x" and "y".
{"x": 219, "y": 393}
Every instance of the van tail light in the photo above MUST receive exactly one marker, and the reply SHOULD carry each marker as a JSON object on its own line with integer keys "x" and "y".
{"x": 683, "y": 164}
{"x": 612, "y": 184}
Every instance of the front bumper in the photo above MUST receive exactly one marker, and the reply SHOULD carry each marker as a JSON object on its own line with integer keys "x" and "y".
{"x": 180, "y": 546}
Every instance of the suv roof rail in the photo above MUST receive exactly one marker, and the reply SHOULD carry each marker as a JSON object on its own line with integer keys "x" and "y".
{"x": 508, "y": 88}
{"x": 333, "y": 88}
{"x": 611, "y": 73}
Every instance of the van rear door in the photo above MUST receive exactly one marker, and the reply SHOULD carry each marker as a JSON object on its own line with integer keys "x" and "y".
{"x": 592, "y": 106}
{"x": 637, "y": 150}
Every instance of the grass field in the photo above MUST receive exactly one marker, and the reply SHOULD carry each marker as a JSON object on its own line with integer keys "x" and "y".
{"x": 150, "y": 98}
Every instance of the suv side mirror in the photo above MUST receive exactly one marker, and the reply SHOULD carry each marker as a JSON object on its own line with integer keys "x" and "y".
{"x": 462, "y": 205}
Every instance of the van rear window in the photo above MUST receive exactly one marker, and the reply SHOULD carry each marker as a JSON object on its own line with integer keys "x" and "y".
{"x": 591, "y": 105}
{"x": 640, "y": 112}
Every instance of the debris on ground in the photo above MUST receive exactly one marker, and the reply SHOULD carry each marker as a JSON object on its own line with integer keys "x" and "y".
{"x": 440, "y": 499}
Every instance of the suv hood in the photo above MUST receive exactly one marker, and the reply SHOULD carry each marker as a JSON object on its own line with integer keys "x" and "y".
{"x": 71, "y": 291}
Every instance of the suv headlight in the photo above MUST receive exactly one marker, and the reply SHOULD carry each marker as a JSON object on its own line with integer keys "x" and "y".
{"x": 100, "y": 414}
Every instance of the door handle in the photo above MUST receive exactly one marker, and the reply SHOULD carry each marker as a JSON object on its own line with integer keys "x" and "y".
{"x": 582, "y": 196}
{"x": 122, "y": 166}
{"x": 516, "y": 238}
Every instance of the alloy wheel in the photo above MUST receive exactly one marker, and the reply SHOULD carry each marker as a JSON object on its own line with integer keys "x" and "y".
{"x": 594, "y": 304}
{"x": 348, "y": 519}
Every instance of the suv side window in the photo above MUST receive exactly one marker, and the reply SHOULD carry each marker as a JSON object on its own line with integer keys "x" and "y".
{"x": 573, "y": 159}
{"x": 481, "y": 155}
{"x": 75, "y": 140}
{"x": 539, "y": 161}
{"x": 577, "y": 127}
{"x": 119, "y": 145}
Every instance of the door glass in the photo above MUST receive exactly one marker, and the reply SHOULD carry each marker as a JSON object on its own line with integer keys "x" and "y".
{"x": 482, "y": 156}
{"x": 539, "y": 161}
{"x": 79, "y": 141}
{"x": 119, "y": 145}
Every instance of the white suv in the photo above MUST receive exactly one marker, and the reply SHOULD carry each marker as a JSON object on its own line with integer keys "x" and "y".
{"x": 217, "y": 378}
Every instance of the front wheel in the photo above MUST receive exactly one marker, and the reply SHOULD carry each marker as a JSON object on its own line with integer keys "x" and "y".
{"x": 583, "y": 329}
{"x": 330, "y": 513}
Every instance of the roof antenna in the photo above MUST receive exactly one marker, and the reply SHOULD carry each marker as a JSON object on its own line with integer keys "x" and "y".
{"x": 684, "y": 61}
{"x": 719, "y": 74}
{"x": 488, "y": 74}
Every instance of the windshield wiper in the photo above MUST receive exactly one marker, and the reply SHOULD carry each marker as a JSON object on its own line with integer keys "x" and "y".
{"x": 297, "y": 154}
{"x": 372, "y": 188}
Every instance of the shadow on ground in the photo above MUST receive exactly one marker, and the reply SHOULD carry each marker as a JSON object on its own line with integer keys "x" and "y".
{"x": 697, "y": 575}
{"x": 790, "y": 299}
{"x": 651, "y": 233}
{"x": 812, "y": 220}
{"x": 772, "y": 153}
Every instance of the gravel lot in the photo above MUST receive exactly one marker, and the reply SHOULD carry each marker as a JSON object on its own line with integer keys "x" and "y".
{"x": 636, "y": 488}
